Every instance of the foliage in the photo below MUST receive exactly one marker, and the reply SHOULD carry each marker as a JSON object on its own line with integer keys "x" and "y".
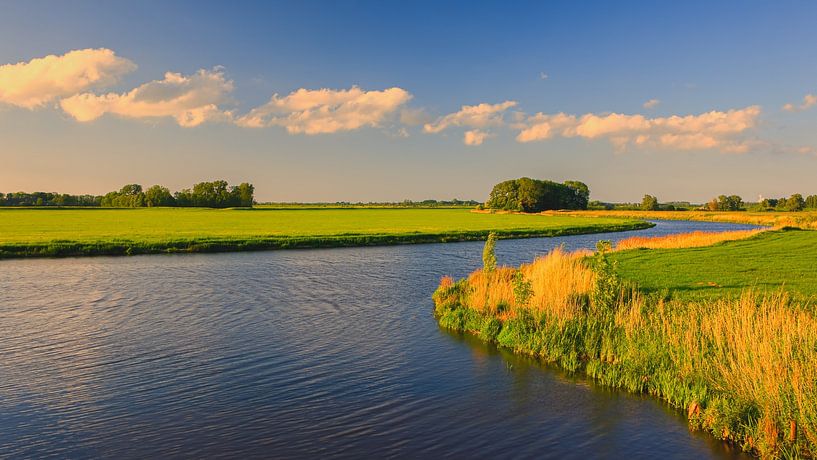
{"x": 725, "y": 203}
{"x": 216, "y": 194}
{"x": 532, "y": 195}
{"x": 489, "y": 253}
{"x": 159, "y": 196}
{"x": 649, "y": 203}
{"x": 47, "y": 199}
{"x": 522, "y": 289}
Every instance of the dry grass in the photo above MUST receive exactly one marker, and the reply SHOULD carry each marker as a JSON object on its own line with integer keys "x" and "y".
{"x": 684, "y": 240}
{"x": 558, "y": 280}
{"x": 777, "y": 219}
{"x": 744, "y": 369}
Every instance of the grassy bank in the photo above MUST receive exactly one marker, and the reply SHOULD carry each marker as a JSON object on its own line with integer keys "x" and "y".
{"x": 765, "y": 262}
{"x": 74, "y": 232}
{"x": 802, "y": 219}
{"x": 743, "y": 368}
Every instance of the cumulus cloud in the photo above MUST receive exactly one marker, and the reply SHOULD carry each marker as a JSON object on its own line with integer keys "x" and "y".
{"x": 191, "y": 100}
{"x": 475, "y": 137}
{"x": 472, "y": 116}
{"x": 327, "y": 110}
{"x": 652, "y": 103}
{"x": 711, "y": 130}
{"x": 39, "y": 81}
{"x": 809, "y": 100}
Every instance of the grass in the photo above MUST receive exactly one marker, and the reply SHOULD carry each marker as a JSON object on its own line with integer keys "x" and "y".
{"x": 802, "y": 219}
{"x": 69, "y": 232}
{"x": 764, "y": 262}
{"x": 742, "y": 367}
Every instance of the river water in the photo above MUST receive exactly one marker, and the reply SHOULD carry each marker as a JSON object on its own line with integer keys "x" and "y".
{"x": 295, "y": 354}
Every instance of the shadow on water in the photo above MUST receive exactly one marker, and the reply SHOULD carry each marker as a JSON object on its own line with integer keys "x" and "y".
{"x": 613, "y": 413}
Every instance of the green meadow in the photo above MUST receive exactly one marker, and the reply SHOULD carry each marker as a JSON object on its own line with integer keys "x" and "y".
{"x": 69, "y": 232}
{"x": 770, "y": 261}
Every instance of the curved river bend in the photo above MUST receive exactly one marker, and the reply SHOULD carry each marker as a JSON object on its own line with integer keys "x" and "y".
{"x": 305, "y": 353}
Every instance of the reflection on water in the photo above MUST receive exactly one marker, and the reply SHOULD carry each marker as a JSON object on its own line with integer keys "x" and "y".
{"x": 293, "y": 354}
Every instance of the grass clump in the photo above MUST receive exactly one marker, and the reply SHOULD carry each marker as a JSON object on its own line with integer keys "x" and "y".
{"x": 743, "y": 369}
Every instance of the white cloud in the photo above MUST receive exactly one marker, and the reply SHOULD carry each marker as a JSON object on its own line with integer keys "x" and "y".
{"x": 190, "y": 100}
{"x": 711, "y": 130}
{"x": 472, "y": 116}
{"x": 475, "y": 137}
{"x": 39, "y": 81}
{"x": 652, "y": 103}
{"x": 809, "y": 100}
{"x": 543, "y": 76}
{"x": 327, "y": 110}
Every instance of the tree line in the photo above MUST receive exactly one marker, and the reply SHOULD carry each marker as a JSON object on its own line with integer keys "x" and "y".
{"x": 795, "y": 202}
{"x": 47, "y": 199}
{"x": 215, "y": 194}
{"x": 533, "y": 195}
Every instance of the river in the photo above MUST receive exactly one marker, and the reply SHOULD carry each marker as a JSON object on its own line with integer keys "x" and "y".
{"x": 296, "y": 354}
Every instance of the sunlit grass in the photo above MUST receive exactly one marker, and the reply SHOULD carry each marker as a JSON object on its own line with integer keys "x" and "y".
{"x": 742, "y": 368}
{"x": 764, "y": 262}
{"x": 683, "y": 240}
{"x": 27, "y": 232}
{"x": 801, "y": 219}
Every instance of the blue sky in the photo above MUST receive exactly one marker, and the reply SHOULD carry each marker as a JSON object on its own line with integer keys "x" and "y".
{"x": 742, "y": 61}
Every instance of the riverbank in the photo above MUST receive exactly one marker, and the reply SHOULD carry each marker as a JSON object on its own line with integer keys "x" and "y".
{"x": 742, "y": 368}
{"x": 88, "y": 232}
{"x": 800, "y": 219}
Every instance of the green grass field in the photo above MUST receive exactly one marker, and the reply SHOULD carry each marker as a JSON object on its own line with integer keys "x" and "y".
{"x": 63, "y": 232}
{"x": 765, "y": 262}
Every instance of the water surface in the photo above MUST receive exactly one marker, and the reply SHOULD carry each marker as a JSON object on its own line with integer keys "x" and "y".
{"x": 293, "y": 354}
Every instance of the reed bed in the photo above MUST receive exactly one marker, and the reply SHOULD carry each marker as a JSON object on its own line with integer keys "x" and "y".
{"x": 776, "y": 219}
{"x": 684, "y": 240}
{"x": 743, "y": 369}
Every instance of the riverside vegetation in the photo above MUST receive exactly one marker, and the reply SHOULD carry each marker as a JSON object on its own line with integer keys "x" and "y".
{"x": 94, "y": 231}
{"x": 742, "y": 367}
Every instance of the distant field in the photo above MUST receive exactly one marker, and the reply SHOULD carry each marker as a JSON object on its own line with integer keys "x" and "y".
{"x": 766, "y": 262}
{"x": 60, "y": 232}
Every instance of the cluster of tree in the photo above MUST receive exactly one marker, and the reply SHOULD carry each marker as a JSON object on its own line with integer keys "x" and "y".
{"x": 377, "y": 204}
{"x": 649, "y": 203}
{"x": 795, "y": 202}
{"x": 532, "y": 195}
{"x": 47, "y": 199}
{"x": 725, "y": 203}
{"x": 216, "y": 194}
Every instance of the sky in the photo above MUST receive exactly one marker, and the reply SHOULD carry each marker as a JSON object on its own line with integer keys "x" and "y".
{"x": 386, "y": 100}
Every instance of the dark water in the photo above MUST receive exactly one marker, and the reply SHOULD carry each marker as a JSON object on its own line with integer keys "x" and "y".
{"x": 309, "y": 353}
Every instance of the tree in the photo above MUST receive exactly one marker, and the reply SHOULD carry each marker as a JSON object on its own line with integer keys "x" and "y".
{"x": 504, "y": 195}
{"x": 533, "y": 195}
{"x": 245, "y": 192}
{"x": 581, "y": 194}
{"x": 811, "y": 201}
{"x": 649, "y": 203}
{"x": 795, "y": 202}
{"x": 158, "y": 196}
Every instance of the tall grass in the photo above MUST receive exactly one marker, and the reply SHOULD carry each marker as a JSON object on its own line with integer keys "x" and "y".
{"x": 743, "y": 369}
{"x": 684, "y": 240}
{"x": 777, "y": 219}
